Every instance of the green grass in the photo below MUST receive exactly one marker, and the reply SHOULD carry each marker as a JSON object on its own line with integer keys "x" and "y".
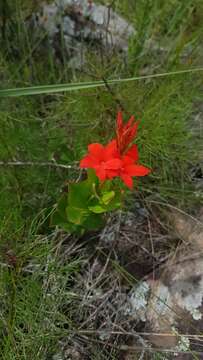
{"x": 33, "y": 290}
{"x": 60, "y": 126}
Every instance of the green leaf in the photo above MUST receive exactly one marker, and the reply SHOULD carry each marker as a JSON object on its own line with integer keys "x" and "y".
{"x": 67, "y": 226}
{"x": 107, "y": 197}
{"x": 113, "y": 206}
{"x": 79, "y": 194}
{"x": 59, "y": 218}
{"x": 97, "y": 209}
{"x": 72, "y": 228}
{"x": 115, "y": 202}
{"x": 93, "y": 222}
{"x": 76, "y": 215}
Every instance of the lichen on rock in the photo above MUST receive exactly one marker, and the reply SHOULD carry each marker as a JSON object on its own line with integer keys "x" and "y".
{"x": 82, "y": 24}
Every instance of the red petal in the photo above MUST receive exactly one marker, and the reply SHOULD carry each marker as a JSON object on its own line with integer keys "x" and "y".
{"x": 119, "y": 121}
{"x": 111, "y": 150}
{"x": 96, "y": 150}
{"x": 133, "y": 153}
{"x": 129, "y": 123}
{"x": 133, "y": 131}
{"x": 112, "y": 173}
{"x": 101, "y": 173}
{"x": 127, "y": 180}
{"x": 119, "y": 129}
{"x": 127, "y": 160}
{"x": 127, "y": 137}
{"x": 113, "y": 164}
{"x": 88, "y": 162}
{"x": 137, "y": 170}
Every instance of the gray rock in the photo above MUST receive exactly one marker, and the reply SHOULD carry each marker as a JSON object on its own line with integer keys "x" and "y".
{"x": 189, "y": 228}
{"x": 86, "y": 23}
{"x": 169, "y": 304}
{"x": 63, "y": 3}
{"x": 99, "y": 15}
{"x": 68, "y": 26}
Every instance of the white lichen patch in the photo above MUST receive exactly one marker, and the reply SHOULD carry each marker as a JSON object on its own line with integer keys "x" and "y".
{"x": 138, "y": 301}
{"x": 196, "y": 314}
{"x": 189, "y": 296}
{"x": 183, "y": 344}
{"x": 192, "y": 304}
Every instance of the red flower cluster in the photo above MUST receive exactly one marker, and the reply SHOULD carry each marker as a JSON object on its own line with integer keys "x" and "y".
{"x": 119, "y": 157}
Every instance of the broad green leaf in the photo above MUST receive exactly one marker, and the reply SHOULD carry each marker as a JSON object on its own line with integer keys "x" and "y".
{"x": 76, "y": 215}
{"x": 115, "y": 203}
{"x": 58, "y": 220}
{"x": 79, "y": 194}
{"x": 93, "y": 222}
{"x": 107, "y": 197}
{"x": 73, "y": 228}
{"x": 97, "y": 209}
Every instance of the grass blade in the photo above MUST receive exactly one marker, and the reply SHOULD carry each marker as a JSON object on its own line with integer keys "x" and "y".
{"x": 50, "y": 89}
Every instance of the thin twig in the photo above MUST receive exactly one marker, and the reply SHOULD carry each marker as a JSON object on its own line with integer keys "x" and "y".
{"x": 38, "y": 163}
{"x": 136, "y": 334}
{"x": 150, "y": 349}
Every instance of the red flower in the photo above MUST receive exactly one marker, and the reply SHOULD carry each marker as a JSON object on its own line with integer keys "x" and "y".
{"x": 104, "y": 159}
{"x": 125, "y": 133}
{"x": 119, "y": 157}
{"x": 129, "y": 169}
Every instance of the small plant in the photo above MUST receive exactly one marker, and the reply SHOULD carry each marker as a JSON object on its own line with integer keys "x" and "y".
{"x": 87, "y": 202}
